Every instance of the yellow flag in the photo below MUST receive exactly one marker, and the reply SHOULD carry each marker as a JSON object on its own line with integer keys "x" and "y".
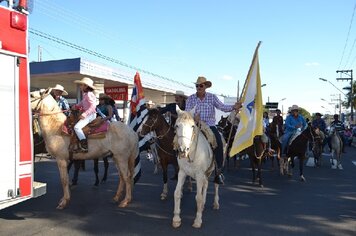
{"x": 251, "y": 113}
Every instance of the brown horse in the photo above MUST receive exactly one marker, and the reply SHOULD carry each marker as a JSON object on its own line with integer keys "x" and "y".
{"x": 256, "y": 151}
{"x": 155, "y": 121}
{"x": 276, "y": 145}
{"x": 298, "y": 148}
{"x": 120, "y": 141}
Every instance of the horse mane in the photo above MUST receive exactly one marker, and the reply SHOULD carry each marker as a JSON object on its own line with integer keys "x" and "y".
{"x": 184, "y": 116}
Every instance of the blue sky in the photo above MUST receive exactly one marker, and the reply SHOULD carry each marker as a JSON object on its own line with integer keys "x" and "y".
{"x": 301, "y": 41}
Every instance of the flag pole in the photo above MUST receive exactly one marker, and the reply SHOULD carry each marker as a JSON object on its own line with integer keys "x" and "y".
{"x": 239, "y": 96}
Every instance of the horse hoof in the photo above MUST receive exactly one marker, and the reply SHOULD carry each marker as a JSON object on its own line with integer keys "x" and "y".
{"x": 123, "y": 204}
{"x": 216, "y": 206}
{"x": 176, "y": 224}
{"x": 116, "y": 199}
{"x": 302, "y": 178}
{"x": 261, "y": 186}
{"x": 163, "y": 197}
{"x": 197, "y": 225}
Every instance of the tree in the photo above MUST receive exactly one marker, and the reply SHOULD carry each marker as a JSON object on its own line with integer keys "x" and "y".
{"x": 348, "y": 103}
{"x": 305, "y": 113}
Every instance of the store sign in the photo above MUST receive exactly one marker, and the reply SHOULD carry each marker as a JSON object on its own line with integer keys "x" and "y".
{"x": 117, "y": 93}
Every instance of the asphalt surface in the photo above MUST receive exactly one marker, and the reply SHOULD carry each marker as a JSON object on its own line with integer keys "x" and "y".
{"x": 323, "y": 205}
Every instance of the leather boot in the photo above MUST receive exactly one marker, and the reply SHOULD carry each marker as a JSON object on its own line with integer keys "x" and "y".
{"x": 84, "y": 145}
{"x": 219, "y": 178}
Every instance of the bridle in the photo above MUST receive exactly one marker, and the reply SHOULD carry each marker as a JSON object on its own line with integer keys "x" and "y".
{"x": 36, "y": 111}
{"x": 194, "y": 136}
{"x": 153, "y": 124}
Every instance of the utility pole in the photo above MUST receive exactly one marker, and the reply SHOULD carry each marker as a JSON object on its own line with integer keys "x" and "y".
{"x": 39, "y": 54}
{"x": 350, "y": 77}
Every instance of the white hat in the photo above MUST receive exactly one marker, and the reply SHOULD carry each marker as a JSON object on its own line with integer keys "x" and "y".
{"x": 60, "y": 88}
{"x": 150, "y": 102}
{"x": 87, "y": 81}
{"x": 178, "y": 93}
{"x": 294, "y": 107}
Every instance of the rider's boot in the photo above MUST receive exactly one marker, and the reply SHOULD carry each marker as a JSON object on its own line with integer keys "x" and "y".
{"x": 219, "y": 178}
{"x": 84, "y": 145}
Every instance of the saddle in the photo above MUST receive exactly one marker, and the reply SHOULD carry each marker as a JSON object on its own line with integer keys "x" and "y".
{"x": 96, "y": 129}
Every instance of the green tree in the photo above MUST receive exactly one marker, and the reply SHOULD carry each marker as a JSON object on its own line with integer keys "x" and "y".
{"x": 306, "y": 114}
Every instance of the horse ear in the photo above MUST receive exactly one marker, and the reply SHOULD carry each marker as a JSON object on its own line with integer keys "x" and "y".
{"x": 178, "y": 110}
{"x": 192, "y": 112}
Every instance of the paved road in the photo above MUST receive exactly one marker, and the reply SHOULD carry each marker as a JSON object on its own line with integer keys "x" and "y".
{"x": 324, "y": 205}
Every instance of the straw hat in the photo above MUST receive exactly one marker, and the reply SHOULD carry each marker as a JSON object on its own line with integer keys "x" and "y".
{"x": 202, "y": 80}
{"x": 87, "y": 81}
{"x": 294, "y": 107}
{"x": 177, "y": 93}
{"x": 60, "y": 88}
{"x": 150, "y": 102}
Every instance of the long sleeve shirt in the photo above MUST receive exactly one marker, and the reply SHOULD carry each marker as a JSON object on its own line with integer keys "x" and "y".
{"x": 206, "y": 107}
{"x": 292, "y": 122}
{"x": 87, "y": 104}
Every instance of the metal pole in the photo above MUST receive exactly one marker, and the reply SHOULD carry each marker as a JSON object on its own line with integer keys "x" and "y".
{"x": 352, "y": 100}
{"x": 339, "y": 104}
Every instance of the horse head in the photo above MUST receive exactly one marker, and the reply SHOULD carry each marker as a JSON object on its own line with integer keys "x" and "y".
{"x": 150, "y": 122}
{"x": 41, "y": 101}
{"x": 186, "y": 131}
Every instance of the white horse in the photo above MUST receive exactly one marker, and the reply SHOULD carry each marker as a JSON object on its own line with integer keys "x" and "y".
{"x": 120, "y": 141}
{"x": 195, "y": 159}
{"x": 336, "y": 147}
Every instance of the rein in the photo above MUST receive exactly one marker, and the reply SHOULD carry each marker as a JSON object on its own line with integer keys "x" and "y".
{"x": 151, "y": 126}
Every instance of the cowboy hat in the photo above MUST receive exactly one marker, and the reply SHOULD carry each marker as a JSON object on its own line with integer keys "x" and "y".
{"x": 318, "y": 114}
{"x": 60, "y": 88}
{"x": 294, "y": 107}
{"x": 202, "y": 80}
{"x": 177, "y": 93}
{"x": 87, "y": 81}
{"x": 104, "y": 96}
{"x": 150, "y": 102}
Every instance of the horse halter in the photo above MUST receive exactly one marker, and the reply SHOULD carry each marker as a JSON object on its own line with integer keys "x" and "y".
{"x": 153, "y": 124}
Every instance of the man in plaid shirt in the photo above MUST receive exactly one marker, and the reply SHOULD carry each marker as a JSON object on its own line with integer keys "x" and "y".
{"x": 205, "y": 104}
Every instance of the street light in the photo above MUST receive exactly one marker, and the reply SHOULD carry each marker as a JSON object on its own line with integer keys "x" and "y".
{"x": 262, "y": 85}
{"x": 282, "y": 99}
{"x": 325, "y": 80}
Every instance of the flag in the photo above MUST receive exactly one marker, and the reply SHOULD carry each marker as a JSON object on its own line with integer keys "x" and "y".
{"x": 251, "y": 113}
{"x": 138, "y": 111}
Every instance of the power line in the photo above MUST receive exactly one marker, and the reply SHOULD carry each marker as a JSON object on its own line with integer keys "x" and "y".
{"x": 96, "y": 54}
{"x": 348, "y": 34}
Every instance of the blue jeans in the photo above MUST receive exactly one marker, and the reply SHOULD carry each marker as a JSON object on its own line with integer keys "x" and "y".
{"x": 285, "y": 139}
{"x": 219, "y": 150}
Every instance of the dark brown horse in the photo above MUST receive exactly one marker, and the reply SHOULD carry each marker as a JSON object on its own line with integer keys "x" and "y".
{"x": 298, "y": 148}
{"x": 318, "y": 147}
{"x": 155, "y": 121}
{"x": 256, "y": 151}
{"x": 276, "y": 145}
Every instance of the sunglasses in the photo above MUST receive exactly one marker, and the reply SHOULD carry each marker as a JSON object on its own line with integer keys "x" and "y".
{"x": 199, "y": 85}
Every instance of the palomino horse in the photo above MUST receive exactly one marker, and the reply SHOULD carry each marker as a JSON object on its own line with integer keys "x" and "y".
{"x": 195, "y": 159}
{"x": 336, "y": 147}
{"x": 155, "y": 121}
{"x": 120, "y": 141}
{"x": 298, "y": 148}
